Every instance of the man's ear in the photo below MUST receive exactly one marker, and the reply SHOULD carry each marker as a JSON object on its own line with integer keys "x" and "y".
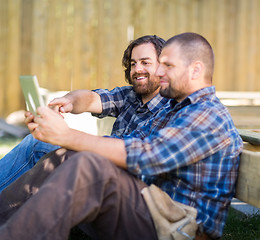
{"x": 197, "y": 69}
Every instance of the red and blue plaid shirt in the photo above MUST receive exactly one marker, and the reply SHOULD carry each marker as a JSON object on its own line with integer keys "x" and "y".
{"x": 191, "y": 151}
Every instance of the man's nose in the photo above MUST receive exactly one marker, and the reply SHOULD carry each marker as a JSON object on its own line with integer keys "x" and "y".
{"x": 139, "y": 68}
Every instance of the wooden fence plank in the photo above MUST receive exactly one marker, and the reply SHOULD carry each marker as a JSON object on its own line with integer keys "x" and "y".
{"x": 12, "y": 89}
{"x": 3, "y": 54}
{"x": 26, "y": 37}
{"x": 248, "y": 189}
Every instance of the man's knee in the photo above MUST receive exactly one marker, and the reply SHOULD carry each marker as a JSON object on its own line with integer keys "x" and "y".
{"x": 94, "y": 164}
{"x": 55, "y": 158}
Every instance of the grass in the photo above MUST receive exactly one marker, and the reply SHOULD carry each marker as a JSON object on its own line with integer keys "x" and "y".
{"x": 242, "y": 227}
{"x": 7, "y": 143}
{"x": 238, "y": 226}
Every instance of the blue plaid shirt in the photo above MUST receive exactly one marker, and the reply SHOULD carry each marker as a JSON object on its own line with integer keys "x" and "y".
{"x": 191, "y": 151}
{"x": 128, "y": 108}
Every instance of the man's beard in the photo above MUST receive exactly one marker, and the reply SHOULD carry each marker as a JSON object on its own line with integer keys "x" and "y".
{"x": 147, "y": 87}
{"x": 170, "y": 92}
{"x": 166, "y": 92}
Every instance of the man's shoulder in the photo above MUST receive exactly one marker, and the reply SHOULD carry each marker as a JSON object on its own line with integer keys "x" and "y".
{"x": 116, "y": 89}
{"x": 125, "y": 89}
{"x": 119, "y": 93}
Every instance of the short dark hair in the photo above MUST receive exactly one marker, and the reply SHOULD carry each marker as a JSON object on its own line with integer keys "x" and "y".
{"x": 126, "y": 60}
{"x": 195, "y": 47}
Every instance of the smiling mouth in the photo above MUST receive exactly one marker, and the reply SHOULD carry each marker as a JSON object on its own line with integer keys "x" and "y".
{"x": 140, "y": 78}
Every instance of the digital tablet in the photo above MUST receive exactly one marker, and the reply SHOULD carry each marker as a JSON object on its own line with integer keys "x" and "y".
{"x": 31, "y": 92}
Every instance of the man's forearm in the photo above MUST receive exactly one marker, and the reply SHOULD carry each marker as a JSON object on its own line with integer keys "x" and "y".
{"x": 85, "y": 101}
{"x": 50, "y": 127}
{"x": 111, "y": 148}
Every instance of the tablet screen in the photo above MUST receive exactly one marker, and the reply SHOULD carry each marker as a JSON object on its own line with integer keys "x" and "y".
{"x": 30, "y": 87}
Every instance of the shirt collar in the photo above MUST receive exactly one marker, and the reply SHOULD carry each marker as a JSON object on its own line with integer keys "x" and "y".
{"x": 194, "y": 97}
{"x": 153, "y": 105}
{"x": 156, "y": 103}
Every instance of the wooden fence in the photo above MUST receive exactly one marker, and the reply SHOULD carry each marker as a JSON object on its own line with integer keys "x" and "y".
{"x": 71, "y": 44}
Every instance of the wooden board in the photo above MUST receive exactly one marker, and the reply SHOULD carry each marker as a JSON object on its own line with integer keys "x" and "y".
{"x": 248, "y": 185}
{"x": 250, "y": 136}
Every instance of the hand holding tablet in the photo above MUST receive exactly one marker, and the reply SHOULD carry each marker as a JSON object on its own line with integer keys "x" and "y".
{"x": 33, "y": 98}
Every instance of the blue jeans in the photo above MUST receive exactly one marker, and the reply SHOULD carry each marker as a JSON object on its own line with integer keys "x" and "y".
{"x": 22, "y": 158}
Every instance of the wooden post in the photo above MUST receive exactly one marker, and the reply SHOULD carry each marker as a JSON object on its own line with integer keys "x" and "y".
{"x": 248, "y": 187}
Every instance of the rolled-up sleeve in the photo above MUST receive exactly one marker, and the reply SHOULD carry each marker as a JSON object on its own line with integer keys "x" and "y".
{"x": 172, "y": 147}
{"x": 112, "y": 100}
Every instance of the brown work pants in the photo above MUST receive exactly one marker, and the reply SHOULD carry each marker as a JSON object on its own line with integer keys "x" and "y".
{"x": 47, "y": 201}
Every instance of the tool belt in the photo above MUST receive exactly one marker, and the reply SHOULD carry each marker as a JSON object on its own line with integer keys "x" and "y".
{"x": 172, "y": 220}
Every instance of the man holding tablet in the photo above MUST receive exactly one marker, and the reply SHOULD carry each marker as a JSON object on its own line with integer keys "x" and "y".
{"x": 131, "y": 105}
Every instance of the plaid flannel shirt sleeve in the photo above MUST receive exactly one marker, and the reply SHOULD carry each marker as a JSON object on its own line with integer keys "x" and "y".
{"x": 112, "y": 100}
{"x": 192, "y": 135}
